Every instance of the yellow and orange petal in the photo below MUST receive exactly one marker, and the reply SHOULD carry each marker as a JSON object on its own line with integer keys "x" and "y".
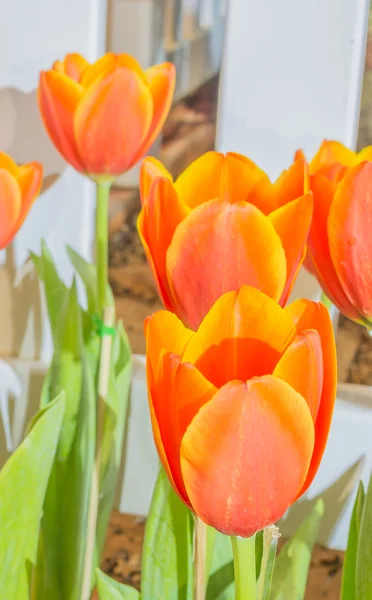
{"x": 217, "y": 248}
{"x": 309, "y": 315}
{"x": 235, "y": 455}
{"x": 349, "y": 235}
{"x": 293, "y": 239}
{"x": 160, "y": 216}
{"x": 242, "y": 336}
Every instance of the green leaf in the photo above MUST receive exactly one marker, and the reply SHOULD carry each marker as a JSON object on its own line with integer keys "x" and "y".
{"x": 55, "y": 290}
{"x": 167, "y": 550}
{"x": 109, "y": 589}
{"x": 348, "y": 591}
{"x": 87, "y": 273}
{"x": 64, "y": 524}
{"x": 221, "y": 574}
{"x": 363, "y": 577}
{"x": 23, "y": 482}
{"x": 292, "y": 566}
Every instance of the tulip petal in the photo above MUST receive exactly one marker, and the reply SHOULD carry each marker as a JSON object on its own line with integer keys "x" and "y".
{"x": 318, "y": 245}
{"x": 244, "y": 180}
{"x": 216, "y": 249}
{"x": 98, "y": 70}
{"x": 74, "y": 66}
{"x": 7, "y": 163}
{"x": 30, "y": 178}
{"x": 179, "y": 392}
{"x": 313, "y": 315}
{"x": 350, "y": 239}
{"x": 293, "y": 239}
{"x": 292, "y": 183}
{"x": 164, "y": 331}
{"x": 365, "y": 154}
{"x": 157, "y": 223}
{"x": 332, "y": 155}
{"x": 151, "y": 168}
{"x": 236, "y": 452}
{"x": 111, "y": 122}
{"x": 242, "y": 336}
{"x": 201, "y": 181}
{"x": 301, "y": 366}
{"x": 10, "y": 206}
{"x": 58, "y": 98}
{"x": 161, "y": 82}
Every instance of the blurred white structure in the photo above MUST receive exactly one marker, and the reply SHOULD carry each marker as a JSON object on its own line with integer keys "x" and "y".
{"x": 32, "y": 36}
{"x": 292, "y": 75}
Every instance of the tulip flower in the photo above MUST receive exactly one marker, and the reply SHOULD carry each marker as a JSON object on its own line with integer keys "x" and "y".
{"x": 103, "y": 117}
{"x": 222, "y": 224}
{"x": 241, "y": 408}
{"x": 19, "y": 187}
{"x": 333, "y": 159}
{"x": 340, "y": 242}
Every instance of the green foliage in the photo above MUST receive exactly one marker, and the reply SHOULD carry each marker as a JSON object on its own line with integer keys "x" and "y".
{"x": 348, "y": 591}
{"x": 74, "y": 369}
{"x": 167, "y": 551}
{"x": 23, "y": 483}
{"x": 292, "y": 565}
{"x": 109, "y": 589}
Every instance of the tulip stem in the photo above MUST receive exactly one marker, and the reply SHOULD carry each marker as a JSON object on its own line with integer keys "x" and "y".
{"x": 103, "y": 386}
{"x": 200, "y": 558}
{"x": 270, "y": 542}
{"x": 244, "y": 551}
{"x": 103, "y": 193}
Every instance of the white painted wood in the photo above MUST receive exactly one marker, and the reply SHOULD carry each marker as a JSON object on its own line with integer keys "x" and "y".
{"x": 292, "y": 75}
{"x": 33, "y": 35}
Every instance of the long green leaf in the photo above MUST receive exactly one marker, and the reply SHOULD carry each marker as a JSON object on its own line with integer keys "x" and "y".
{"x": 364, "y": 554}
{"x": 221, "y": 574}
{"x": 23, "y": 482}
{"x": 60, "y": 565}
{"x": 55, "y": 290}
{"x": 109, "y": 589}
{"x": 167, "y": 549}
{"x": 292, "y": 566}
{"x": 348, "y": 591}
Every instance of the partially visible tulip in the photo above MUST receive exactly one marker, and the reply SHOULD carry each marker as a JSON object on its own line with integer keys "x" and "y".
{"x": 340, "y": 240}
{"x": 103, "y": 117}
{"x": 333, "y": 159}
{"x": 19, "y": 188}
{"x": 241, "y": 408}
{"x": 222, "y": 224}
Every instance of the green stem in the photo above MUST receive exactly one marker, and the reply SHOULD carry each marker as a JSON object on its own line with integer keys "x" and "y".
{"x": 270, "y": 542}
{"x": 244, "y": 551}
{"x": 103, "y": 193}
{"x": 200, "y": 558}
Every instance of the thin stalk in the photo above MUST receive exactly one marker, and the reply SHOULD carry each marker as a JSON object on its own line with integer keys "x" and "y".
{"x": 270, "y": 543}
{"x": 103, "y": 385}
{"x": 244, "y": 551}
{"x": 200, "y": 559}
{"x": 103, "y": 192}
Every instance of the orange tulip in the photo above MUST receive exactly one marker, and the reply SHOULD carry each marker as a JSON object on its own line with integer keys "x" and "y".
{"x": 340, "y": 241}
{"x": 222, "y": 224}
{"x": 333, "y": 159}
{"x": 241, "y": 408}
{"x": 19, "y": 187}
{"x": 103, "y": 117}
